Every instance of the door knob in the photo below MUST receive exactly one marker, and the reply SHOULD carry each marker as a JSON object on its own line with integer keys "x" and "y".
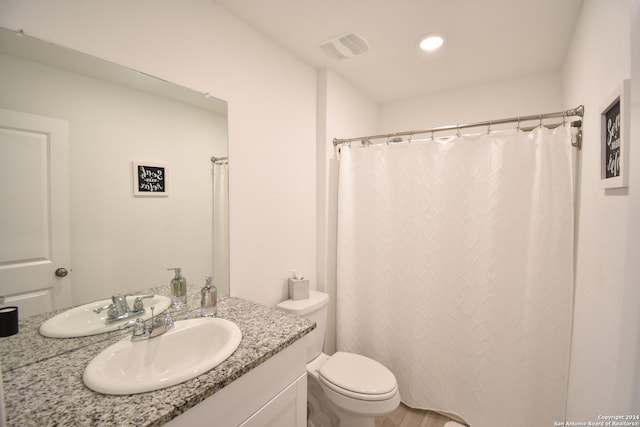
{"x": 61, "y": 272}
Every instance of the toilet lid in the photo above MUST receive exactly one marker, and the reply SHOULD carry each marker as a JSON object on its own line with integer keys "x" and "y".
{"x": 358, "y": 374}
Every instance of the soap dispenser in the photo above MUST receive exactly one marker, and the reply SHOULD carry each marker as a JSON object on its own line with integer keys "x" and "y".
{"x": 178, "y": 289}
{"x": 209, "y": 298}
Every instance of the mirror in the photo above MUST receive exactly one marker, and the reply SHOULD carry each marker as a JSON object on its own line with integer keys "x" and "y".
{"x": 120, "y": 242}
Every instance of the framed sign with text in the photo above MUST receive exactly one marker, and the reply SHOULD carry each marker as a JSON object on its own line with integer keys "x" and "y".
{"x": 614, "y": 138}
{"x": 150, "y": 179}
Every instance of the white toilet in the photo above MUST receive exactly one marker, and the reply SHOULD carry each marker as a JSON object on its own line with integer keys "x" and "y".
{"x": 346, "y": 389}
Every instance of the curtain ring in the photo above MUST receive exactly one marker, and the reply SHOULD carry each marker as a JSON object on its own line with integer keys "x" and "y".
{"x": 458, "y": 130}
{"x": 489, "y": 128}
{"x": 564, "y": 118}
{"x": 410, "y": 136}
{"x": 519, "y": 124}
{"x": 540, "y": 117}
{"x": 432, "y": 138}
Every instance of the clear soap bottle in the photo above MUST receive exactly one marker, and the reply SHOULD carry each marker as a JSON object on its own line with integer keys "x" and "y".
{"x": 209, "y": 298}
{"x": 178, "y": 289}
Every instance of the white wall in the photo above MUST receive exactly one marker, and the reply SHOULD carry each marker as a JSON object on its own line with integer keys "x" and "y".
{"x": 631, "y": 354}
{"x": 605, "y": 332}
{"x": 120, "y": 243}
{"x": 343, "y": 111}
{"x": 528, "y": 95}
{"x": 272, "y": 106}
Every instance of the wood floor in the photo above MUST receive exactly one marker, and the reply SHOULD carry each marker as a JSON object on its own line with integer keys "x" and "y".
{"x": 408, "y": 417}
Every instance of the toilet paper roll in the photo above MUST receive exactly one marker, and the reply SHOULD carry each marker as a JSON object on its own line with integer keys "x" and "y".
{"x": 8, "y": 321}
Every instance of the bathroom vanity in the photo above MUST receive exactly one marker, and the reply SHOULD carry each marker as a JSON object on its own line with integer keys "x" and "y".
{"x": 262, "y": 383}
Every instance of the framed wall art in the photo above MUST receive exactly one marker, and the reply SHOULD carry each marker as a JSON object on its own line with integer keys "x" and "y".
{"x": 150, "y": 179}
{"x": 614, "y": 138}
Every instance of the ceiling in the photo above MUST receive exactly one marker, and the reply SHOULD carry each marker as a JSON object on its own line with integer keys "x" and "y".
{"x": 487, "y": 40}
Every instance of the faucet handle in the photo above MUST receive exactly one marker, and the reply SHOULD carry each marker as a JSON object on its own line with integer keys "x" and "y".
{"x": 168, "y": 320}
{"x": 139, "y": 329}
{"x": 99, "y": 309}
{"x": 160, "y": 324}
{"x": 127, "y": 324}
{"x": 138, "y": 306}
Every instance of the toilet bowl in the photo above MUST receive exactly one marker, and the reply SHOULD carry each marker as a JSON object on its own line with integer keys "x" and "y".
{"x": 344, "y": 389}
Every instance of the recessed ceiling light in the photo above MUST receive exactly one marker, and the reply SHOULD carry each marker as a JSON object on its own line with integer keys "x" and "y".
{"x": 431, "y": 42}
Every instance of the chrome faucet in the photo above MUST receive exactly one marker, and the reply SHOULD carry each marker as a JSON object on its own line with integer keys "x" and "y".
{"x": 157, "y": 326}
{"x": 120, "y": 305}
{"x": 119, "y": 309}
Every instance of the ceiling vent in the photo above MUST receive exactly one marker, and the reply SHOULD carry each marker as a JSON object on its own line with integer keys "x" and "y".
{"x": 345, "y": 46}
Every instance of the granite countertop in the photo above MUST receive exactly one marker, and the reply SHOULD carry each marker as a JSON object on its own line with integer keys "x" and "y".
{"x": 50, "y": 391}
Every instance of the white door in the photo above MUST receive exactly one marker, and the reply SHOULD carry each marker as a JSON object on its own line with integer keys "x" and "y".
{"x": 34, "y": 212}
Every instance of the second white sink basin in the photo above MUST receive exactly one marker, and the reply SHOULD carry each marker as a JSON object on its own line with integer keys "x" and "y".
{"x": 191, "y": 348}
{"x": 82, "y": 321}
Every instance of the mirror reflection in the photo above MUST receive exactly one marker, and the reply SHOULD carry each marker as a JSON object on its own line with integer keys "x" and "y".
{"x": 117, "y": 241}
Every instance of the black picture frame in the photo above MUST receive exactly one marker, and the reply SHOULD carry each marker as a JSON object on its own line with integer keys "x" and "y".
{"x": 150, "y": 179}
{"x": 614, "y": 139}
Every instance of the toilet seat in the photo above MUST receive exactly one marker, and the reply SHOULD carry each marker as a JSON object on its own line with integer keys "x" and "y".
{"x": 358, "y": 377}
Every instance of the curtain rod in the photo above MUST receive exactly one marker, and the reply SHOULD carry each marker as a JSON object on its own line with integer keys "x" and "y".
{"x": 574, "y": 112}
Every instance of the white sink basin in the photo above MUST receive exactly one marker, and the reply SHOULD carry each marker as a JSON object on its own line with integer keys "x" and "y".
{"x": 191, "y": 348}
{"x": 82, "y": 321}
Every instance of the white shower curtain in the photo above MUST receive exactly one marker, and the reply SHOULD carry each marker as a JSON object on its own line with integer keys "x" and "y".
{"x": 221, "y": 227}
{"x": 455, "y": 270}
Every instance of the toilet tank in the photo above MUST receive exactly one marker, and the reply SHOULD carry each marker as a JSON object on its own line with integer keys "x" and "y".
{"x": 315, "y": 309}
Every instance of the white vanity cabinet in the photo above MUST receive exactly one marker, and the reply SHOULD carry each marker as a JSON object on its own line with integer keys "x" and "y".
{"x": 288, "y": 408}
{"x": 272, "y": 394}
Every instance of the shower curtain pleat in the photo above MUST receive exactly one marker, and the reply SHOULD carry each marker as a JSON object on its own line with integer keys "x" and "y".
{"x": 221, "y": 228}
{"x": 455, "y": 270}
